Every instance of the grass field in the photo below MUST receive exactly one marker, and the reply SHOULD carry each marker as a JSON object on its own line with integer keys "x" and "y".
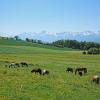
{"x": 21, "y": 84}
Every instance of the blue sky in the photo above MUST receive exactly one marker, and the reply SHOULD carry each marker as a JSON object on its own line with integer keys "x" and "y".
{"x": 17, "y": 16}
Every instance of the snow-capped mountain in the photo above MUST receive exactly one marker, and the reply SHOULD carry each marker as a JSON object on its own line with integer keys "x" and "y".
{"x": 49, "y": 37}
{"x": 7, "y": 34}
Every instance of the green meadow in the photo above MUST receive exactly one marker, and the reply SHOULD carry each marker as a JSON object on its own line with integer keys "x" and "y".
{"x": 20, "y": 84}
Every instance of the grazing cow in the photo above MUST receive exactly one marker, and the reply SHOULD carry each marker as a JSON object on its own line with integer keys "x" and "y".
{"x": 24, "y": 64}
{"x": 80, "y": 73}
{"x": 96, "y": 79}
{"x": 12, "y": 65}
{"x": 17, "y": 64}
{"x": 38, "y": 70}
{"x": 84, "y": 70}
{"x": 45, "y": 72}
{"x": 69, "y": 70}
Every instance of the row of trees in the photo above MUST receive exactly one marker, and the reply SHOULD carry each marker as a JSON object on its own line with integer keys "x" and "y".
{"x": 37, "y": 41}
{"x": 76, "y": 44}
{"x": 34, "y": 41}
{"x": 88, "y": 47}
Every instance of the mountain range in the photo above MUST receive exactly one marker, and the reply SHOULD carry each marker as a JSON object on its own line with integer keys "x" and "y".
{"x": 88, "y": 36}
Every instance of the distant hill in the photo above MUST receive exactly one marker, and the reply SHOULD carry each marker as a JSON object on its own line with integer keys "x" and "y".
{"x": 47, "y": 37}
{"x": 11, "y": 42}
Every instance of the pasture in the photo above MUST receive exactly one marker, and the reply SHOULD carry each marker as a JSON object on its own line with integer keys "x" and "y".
{"x": 20, "y": 84}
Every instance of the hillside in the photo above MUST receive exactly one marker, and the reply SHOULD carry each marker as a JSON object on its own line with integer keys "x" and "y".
{"x": 11, "y": 42}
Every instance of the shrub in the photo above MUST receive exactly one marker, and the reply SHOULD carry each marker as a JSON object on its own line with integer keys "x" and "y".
{"x": 84, "y": 52}
{"x": 94, "y": 51}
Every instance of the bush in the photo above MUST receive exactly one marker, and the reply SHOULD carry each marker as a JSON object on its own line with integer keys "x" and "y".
{"x": 94, "y": 51}
{"x": 84, "y": 52}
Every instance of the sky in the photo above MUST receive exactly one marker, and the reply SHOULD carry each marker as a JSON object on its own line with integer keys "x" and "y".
{"x": 17, "y": 16}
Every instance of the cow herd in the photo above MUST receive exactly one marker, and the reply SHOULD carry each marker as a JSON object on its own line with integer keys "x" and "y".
{"x": 15, "y": 65}
{"x": 82, "y": 71}
{"x": 79, "y": 70}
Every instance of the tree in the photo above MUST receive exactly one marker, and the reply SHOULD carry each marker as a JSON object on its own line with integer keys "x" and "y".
{"x": 16, "y": 37}
{"x": 39, "y": 41}
{"x": 27, "y": 39}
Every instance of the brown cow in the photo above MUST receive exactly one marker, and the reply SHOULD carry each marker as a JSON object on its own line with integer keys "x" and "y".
{"x": 81, "y": 70}
{"x": 96, "y": 79}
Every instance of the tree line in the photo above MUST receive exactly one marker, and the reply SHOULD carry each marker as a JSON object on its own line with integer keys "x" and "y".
{"x": 87, "y": 47}
{"x": 74, "y": 44}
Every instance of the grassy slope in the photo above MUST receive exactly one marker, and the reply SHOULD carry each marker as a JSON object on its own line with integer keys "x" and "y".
{"x": 11, "y": 42}
{"x": 20, "y": 84}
